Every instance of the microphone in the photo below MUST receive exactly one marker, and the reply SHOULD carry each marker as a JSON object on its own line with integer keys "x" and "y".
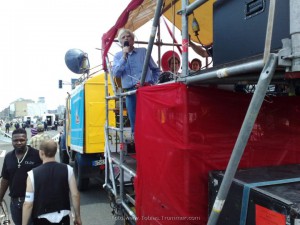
{"x": 126, "y": 44}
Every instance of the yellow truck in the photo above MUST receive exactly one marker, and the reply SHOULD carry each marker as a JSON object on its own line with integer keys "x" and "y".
{"x": 84, "y": 128}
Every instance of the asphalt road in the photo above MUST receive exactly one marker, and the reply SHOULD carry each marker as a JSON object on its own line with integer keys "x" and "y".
{"x": 95, "y": 207}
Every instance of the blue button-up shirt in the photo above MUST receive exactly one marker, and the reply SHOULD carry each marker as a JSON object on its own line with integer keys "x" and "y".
{"x": 130, "y": 69}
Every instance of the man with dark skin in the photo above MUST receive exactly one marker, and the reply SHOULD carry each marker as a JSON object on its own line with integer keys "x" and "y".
{"x": 14, "y": 172}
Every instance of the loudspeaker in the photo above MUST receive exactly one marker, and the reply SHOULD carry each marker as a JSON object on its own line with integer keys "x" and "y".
{"x": 240, "y": 28}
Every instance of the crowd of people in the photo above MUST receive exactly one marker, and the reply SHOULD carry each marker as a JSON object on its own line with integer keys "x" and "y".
{"x": 38, "y": 186}
{"x": 10, "y": 126}
{"x": 41, "y": 190}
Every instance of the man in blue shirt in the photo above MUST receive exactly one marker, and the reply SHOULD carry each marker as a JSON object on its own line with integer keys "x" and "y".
{"x": 128, "y": 65}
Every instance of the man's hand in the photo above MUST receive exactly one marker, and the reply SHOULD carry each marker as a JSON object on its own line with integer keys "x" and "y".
{"x": 77, "y": 221}
{"x": 138, "y": 84}
{"x": 125, "y": 51}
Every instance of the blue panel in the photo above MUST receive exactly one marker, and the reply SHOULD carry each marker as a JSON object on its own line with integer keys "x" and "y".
{"x": 77, "y": 119}
{"x": 73, "y": 83}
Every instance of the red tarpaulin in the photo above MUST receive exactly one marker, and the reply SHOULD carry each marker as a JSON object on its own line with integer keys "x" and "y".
{"x": 184, "y": 132}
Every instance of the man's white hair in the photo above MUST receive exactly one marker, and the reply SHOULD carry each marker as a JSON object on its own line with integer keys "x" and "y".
{"x": 123, "y": 31}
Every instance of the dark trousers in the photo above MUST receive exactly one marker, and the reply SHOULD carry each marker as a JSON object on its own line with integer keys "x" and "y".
{"x": 42, "y": 221}
{"x": 16, "y": 205}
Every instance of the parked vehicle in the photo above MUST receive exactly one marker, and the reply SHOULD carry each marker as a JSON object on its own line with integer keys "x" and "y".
{"x": 84, "y": 129}
{"x": 27, "y": 120}
{"x": 49, "y": 120}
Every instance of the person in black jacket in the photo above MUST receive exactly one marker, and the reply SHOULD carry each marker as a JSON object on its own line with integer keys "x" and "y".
{"x": 47, "y": 198}
{"x": 17, "y": 125}
{"x": 7, "y": 126}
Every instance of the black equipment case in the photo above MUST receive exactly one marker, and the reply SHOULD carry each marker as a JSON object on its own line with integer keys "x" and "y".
{"x": 240, "y": 28}
{"x": 260, "y": 196}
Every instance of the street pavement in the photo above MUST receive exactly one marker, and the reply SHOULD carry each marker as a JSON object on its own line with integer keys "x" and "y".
{"x": 95, "y": 207}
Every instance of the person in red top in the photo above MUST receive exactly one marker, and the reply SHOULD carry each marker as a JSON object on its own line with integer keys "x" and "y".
{"x": 170, "y": 64}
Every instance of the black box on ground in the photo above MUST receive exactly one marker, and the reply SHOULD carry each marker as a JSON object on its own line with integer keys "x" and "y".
{"x": 240, "y": 28}
{"x": 260, "y": 196}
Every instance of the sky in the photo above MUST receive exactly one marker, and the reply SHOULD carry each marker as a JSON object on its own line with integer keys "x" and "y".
{"x": 36, "y": 34}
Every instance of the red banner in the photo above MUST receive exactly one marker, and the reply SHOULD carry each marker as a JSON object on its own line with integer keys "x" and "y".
{"x": 184, "y": 132}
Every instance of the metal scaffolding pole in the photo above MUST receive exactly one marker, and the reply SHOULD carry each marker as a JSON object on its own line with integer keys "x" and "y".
{"x": 295, "y": 33}
{"x": 223, "y": 73}
{"x": 111, "y": 77}
{"x": 194, "y": 5}
{"x": 109, "y": 171}
{"x": 244, "y": 134}
{"x": 151, "y": 40}
{"x": 122, "y": 153}
{"x": 106, "y": 126}
{"x": 185, "y": 38}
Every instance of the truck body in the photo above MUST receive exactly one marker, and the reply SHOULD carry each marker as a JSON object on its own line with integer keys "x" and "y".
{"x": 238, "y": 114}
{"x": 28, "y": 120}
{"x": 84, "y": 129}
{"x": 49, "y": 119}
